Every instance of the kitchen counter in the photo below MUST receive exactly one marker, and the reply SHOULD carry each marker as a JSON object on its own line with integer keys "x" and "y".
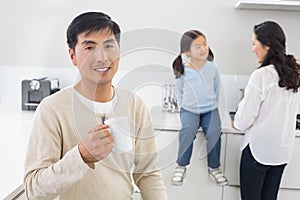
{"x": 15, "y": 131}
{"x": 171, "y": 121}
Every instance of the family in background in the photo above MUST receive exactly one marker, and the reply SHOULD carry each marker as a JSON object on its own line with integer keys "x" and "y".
{"x": 197, "y": 88}
{"x": 72, "y": 152}
{"x": 267, "y": 114}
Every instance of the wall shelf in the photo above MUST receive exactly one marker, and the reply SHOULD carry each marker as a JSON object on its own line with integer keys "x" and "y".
{"x": 269, "y": 5}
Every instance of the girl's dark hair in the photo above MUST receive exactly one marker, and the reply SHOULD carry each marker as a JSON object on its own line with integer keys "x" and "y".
{"x": 185, "y": 45}
{"x": 270, "y": 34}
{"x": 91, "y": 22}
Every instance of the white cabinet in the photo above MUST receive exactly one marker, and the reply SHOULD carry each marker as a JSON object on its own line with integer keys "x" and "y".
{"x": 231, "y": 193}
{"x": 288, "y": 194}
{"x": 196, "y": 181}
{"x": 232, "y": 162}
{"x": 196, "y": 184}
{"x": 167, "y": 143}
{"x": 167, "y": 147}
{"x": 289, "y": 5}
{"x": 291, "y": 178}
{"x": 232, "y": 158}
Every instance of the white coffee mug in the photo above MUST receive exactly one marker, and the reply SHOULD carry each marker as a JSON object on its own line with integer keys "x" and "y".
{"x": 120, "y": 131}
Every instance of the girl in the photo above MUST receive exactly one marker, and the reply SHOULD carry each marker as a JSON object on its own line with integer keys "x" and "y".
{"x": 197, "y": 91}
{"x": 267, "y": 114}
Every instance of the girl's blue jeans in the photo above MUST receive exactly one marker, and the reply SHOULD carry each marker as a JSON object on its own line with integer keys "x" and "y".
{"x": 211, "y": 125}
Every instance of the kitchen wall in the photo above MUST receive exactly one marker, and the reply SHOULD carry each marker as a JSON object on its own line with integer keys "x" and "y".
{"x": 146, "y": 81}
{"x": 33, "y": 31}
{"x": 33, "y": 42}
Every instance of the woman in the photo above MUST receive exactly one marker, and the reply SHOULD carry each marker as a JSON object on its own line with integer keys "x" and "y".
{"x": 267, "y": 114}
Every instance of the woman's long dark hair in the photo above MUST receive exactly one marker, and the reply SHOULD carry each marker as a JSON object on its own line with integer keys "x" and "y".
{"x": 185, "y": 45}
{"x": 270, "y": 34}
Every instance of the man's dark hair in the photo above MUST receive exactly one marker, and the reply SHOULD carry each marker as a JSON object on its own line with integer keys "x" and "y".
{"x": 91, "y": 22}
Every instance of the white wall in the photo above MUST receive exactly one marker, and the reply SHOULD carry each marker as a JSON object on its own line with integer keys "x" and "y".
{"x": 33, "y": 31}
{"x": 148, "y": 83}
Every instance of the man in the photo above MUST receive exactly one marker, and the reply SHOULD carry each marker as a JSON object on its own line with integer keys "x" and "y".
{"x": 71, "y": 152}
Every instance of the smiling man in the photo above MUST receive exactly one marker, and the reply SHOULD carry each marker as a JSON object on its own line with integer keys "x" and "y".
{"x": 72, "y": 154}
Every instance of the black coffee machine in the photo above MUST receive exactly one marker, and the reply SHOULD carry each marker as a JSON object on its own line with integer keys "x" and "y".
{"x": 34, "y": 90}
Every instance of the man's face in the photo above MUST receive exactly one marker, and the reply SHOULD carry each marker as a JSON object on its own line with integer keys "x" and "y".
{"x": 97, "y": 57}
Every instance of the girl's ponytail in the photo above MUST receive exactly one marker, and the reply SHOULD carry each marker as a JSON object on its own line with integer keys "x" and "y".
{"x": 178, "y": 68}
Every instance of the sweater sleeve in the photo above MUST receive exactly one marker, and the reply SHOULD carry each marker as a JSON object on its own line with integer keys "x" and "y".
{"x": 47, "y": 172}
{"x": 146, "y": 174}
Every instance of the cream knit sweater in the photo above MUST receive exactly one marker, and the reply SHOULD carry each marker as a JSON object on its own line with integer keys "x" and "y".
{"x": 54, "y": 168}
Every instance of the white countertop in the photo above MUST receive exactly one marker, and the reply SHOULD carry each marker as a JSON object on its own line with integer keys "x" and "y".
{"x": 15, "y": 131}
{"x": 171, "y": 121}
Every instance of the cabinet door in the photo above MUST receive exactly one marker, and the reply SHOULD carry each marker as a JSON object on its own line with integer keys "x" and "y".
{"x": 287, "y": 194}
{"x": 290, "y": 178}
{"x": 232, "y": 158}
{"x": 167, "y": 147}
{"x": 232, "y": 162}
{"x": 231, "y": 193}
{"x": 167, "y": 143}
